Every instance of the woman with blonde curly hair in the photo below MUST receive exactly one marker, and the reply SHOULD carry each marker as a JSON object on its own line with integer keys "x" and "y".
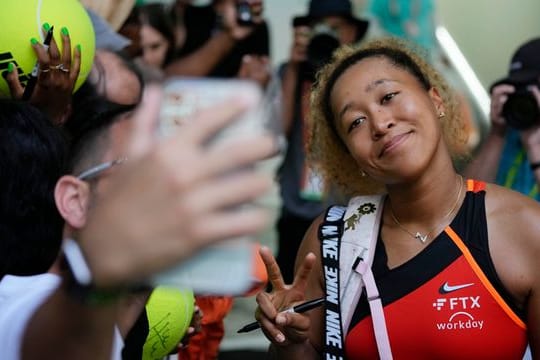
{"x": 453, "y": 270}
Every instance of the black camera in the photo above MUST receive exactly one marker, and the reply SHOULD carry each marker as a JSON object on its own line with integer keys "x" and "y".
{"x": 244, "y": 16}
{"x": 521, "y": 110}
{"x": 322, "y": 44}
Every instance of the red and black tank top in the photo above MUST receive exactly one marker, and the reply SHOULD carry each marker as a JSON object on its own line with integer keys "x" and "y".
{"x": 447, "y": 302}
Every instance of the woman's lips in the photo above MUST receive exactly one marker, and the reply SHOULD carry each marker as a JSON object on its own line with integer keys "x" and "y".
{"x": 394, "y": 143}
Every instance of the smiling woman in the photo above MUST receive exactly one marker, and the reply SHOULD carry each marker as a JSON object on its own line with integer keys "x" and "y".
{"x": 327, "y": 150}
{"x": 460, "y": 252}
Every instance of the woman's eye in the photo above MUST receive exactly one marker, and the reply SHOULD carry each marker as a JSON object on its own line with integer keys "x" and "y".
{"x": 388, "y": 97}
{"x": 356, "y": 122}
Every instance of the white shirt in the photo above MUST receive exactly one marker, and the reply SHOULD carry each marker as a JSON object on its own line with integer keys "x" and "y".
{"x": 20, "y": 297}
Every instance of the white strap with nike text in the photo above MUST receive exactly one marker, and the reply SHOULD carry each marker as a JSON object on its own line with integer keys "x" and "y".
{"x": 349, "y": 237}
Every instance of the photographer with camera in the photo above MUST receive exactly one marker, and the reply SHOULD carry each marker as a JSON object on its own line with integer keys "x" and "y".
{"x": 327, "y": 25}
{"x": 510, "y": 154}
{"x": 218, "y": 36}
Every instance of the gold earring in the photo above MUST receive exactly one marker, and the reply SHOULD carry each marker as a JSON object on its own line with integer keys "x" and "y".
{"x": 442, "y": 114}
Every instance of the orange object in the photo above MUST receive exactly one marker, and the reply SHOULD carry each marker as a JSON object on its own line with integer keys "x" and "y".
{"x": 204, "y": 345}
{"x": 260, "y": 276}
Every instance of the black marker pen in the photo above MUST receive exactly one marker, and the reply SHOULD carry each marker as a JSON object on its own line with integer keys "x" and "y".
{"x": 308, "y": 305}
{"x": 31, "y": 84}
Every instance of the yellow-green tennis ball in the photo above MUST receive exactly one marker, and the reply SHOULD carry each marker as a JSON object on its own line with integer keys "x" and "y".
{"x": 23, "y": 20}
{"x": 169, "y": 312}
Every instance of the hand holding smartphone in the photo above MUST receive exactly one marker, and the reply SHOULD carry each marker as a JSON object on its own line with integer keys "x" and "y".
{"x": 231, "y": 267}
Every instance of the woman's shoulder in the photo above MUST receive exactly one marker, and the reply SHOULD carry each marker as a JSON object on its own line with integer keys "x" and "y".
{"x": 510, "y": 212}
{"x": 513, "y": 226}
{"x": 502, "y": 201}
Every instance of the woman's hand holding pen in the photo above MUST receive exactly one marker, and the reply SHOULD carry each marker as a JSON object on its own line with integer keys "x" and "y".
{"x": 284, "y": 328}
{"x": 56, "y": 77}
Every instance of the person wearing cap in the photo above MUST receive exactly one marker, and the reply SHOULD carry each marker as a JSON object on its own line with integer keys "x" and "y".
{"x": 327, "y": 24}
{"x": 510, "y": 154}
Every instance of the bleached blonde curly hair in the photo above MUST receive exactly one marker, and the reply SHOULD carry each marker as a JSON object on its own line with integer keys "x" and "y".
{"x": 326, "y": 151}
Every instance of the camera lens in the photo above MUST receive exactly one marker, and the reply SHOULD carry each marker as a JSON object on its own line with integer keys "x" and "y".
{"x": 521, "y": 110}
{"x": 321, "y": 46}
{"x": 244, "y": 14}
{"x": 320, "y": 49}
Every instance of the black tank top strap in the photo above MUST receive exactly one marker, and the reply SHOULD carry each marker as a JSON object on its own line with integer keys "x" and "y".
{"x": 471, "y": 226}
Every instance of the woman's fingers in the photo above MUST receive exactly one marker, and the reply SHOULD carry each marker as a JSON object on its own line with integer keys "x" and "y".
{"x": 12, "y": 78}
{"x": 54, "y": 52}
{"x": 75, "y": 65}
{"x": 272, "y": 268}
{"x": 43, "y": 59}
{"x": 280, "y": 327}
{"x": 265, "y": 315}
{"x": 302, "y": 274}
{"x": 296, "y": 322}
{"x": 66, "y": 48}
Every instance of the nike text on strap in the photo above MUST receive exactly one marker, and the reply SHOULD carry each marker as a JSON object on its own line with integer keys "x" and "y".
{"x": 348, "y": 237}
{"x": 330, "y": 233}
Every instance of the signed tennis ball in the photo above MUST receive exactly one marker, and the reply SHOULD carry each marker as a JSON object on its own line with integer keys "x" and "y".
{"x": 22, "y": 20}
{"x": 169, "y": 312}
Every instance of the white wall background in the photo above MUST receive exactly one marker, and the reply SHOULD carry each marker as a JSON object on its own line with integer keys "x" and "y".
{"x": 279, "y": 14}
{"x": 489, "y": 31}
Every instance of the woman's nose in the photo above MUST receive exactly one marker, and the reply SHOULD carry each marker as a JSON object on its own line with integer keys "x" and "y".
{"x": 381, "y": 122}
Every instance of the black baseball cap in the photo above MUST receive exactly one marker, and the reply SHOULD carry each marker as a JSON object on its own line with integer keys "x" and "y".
{"x": 525, "y": 64}
{"x": 322, "y": 8}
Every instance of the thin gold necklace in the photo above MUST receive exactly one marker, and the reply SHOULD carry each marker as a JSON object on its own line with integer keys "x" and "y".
{"x": 418, "y": 235}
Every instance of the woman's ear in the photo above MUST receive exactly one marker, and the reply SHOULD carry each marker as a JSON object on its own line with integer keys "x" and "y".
{"x": 437, "y": 100}
{"x": 72, "y": 196}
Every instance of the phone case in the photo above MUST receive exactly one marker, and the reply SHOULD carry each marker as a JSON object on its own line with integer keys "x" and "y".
{"x": 230, "y": 267}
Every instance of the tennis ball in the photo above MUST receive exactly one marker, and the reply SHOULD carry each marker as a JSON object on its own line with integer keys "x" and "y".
{"x": 169, "y": 312}
{"x": 22, "y": 20}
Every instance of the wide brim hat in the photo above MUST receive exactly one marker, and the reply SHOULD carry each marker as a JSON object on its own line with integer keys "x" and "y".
{"x": 115, "y": 12}
{"x": 319, "y": 9}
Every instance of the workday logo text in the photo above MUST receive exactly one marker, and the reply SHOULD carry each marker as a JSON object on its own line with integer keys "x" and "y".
{"x": 460, "y": 309}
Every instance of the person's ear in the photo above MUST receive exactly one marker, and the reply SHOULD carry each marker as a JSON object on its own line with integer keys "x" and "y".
{"x": 72, "y": 197}
{"x": 437, "y": 101}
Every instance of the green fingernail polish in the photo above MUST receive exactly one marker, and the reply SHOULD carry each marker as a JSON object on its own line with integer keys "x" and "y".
{"x": 78, "y": 46}
{"x": 46, "y": 26}
{"x": 34, "y": 41}
{"x": 64, "y": 31}
{"x": 10, "y": 67}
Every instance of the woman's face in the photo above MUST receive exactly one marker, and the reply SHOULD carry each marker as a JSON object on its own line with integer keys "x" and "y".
{"x": 154, "y": 46}
{"x": 387, "y": 120}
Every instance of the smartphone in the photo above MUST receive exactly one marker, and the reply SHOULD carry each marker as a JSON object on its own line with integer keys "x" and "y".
{"x": 231, "y": 267}
{"x": 184, "y": 96}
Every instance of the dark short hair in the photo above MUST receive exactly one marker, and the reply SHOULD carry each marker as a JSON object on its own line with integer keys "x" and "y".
{"x": 32, "y": 159}
{"x": 91, "y": 119}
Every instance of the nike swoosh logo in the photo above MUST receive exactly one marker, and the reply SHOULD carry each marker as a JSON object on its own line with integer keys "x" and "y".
{"x": 446, "y": 288}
